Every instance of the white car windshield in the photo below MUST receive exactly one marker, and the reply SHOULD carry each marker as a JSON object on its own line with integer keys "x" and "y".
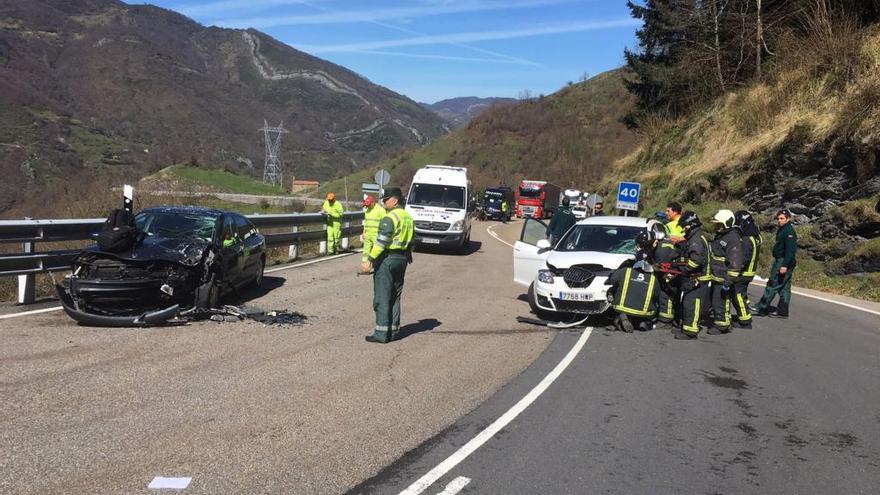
{"x": 437, "y": 195}
{"x": 602, "y": 238}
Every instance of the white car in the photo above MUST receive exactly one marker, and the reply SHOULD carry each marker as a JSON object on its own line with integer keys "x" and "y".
{"x": 579, "y": 212}
{"x": 569, "y": 278}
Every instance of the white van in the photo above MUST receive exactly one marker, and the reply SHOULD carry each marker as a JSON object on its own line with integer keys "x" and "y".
{"x": 439, "y": 202}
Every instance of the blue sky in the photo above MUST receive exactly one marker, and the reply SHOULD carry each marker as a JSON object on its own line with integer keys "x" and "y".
{"x": 430, "y": 50}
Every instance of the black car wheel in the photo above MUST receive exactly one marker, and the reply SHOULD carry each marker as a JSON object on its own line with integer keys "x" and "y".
{"x": 258, "y": 279}
{"x": 208, "y": 294}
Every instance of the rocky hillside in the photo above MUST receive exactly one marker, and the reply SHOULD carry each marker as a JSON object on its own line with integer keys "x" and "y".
{"x": 806, "y": 140}
{"x": 459, "y": 111}
{"x": 570, "y": 138}
{"x": 94, "y": 88}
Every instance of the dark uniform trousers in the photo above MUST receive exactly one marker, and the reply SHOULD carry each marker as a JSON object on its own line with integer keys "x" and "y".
{"x": 741, "y": 300}
{"x": 694, "y": 296}
{"x": 721, "y": 305}
{"x": 669, "y": 299}
{"x": 388, "y": 276}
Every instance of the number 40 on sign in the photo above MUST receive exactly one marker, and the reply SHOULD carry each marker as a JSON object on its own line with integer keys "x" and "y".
{"x": 628, "y": 196}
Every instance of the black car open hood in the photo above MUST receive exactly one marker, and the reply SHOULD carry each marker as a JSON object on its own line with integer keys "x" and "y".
{"x": 184, "y": 250}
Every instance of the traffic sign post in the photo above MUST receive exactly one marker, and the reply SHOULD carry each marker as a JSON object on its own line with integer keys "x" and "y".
{"x": 628, "y": 196}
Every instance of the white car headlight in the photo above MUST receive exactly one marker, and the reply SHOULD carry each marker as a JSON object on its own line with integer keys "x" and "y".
{"x": 545, "y": 276}
{"x": 457, "y": 226}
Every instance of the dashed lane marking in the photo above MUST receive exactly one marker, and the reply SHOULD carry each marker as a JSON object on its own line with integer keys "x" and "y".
{"x": 455, "y": 486}
{"x": 273, "y": 270}
{"x": 484, "y": 436}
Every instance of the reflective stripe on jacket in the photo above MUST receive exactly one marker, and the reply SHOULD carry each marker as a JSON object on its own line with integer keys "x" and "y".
{"x": 751, "y": 251}
{"x": 395, "y": 233}
{"x": 635, "y": 294}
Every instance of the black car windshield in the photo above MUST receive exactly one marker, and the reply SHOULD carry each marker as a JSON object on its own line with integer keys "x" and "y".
{"x": 437, "y": 195}
{"x": 601, "y": 238}
{"x": 175, "y": 225}
{"x": 529, "y": 192}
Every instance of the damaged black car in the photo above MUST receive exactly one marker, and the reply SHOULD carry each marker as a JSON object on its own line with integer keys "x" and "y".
{"x": 168, "y": 262}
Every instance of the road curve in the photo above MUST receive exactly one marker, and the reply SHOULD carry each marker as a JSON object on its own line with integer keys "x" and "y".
{"x": 791, "y": 406}
{"x": 243, "y": 408}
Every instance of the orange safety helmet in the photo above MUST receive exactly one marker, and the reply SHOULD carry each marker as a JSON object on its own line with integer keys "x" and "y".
{"x": 369, "y": 201}
{"x": 331, "y": 196}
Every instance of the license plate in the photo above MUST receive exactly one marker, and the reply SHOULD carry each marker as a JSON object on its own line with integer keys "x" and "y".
{"x": 575, "y": 296}
{"x": 430, "y": 240}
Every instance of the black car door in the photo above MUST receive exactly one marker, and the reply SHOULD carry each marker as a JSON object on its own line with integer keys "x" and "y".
{"x": 232, "y": 252}
{"x": 251, "y": 245}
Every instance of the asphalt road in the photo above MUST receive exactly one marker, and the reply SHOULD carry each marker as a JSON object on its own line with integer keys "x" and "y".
{"x": 791, "y": 406}
{"x": 243, "y": 408}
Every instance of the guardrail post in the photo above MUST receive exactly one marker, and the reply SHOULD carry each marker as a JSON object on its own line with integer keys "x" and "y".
{"x": 345, "y": 240}
{"x": 322, "y": 248}
{"x": 27, "y": 287}
{"x": 293, "y": 249}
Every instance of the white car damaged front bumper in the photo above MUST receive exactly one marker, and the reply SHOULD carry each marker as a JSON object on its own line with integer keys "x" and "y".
{"x": 552, "y": 293}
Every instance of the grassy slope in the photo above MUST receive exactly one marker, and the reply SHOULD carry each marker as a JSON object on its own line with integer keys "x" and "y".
{"x": 703, "y": 156}
{"x": 569, "y": 138}
{"x": 184, "y": 178}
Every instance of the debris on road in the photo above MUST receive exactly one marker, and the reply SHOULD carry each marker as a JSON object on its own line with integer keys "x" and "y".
{"x": 229, "y": 313}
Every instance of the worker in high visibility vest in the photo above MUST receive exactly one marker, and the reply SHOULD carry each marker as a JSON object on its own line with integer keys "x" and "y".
{"x": 389, "y": 256}
{"x": 373, "y": 213}
{"x": 332, "y": 211}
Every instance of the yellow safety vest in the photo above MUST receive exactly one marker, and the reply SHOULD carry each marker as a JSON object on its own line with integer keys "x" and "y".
{"x": 372, "y": 217}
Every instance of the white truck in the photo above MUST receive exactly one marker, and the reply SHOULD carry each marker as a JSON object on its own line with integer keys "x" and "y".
{"x": 439, "y": 202}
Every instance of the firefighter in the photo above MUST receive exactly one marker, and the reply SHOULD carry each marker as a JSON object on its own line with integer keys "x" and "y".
{"x": 696, "y": 277}
{"x": 727, "y": 266}
{"x": 373, "y": 213}
{"x": 332, "y": 211}
{"x": 563, "y": 219}
{"x": 669, "y": 297}
{"x": 634, "y": 289}
{"x": 784, "y": 263}
{"x": 751, "y": 237}
{"x": 388, "y": 258}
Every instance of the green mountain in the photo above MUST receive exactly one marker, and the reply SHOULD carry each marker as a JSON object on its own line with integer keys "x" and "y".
{"x": 99, "y": 88}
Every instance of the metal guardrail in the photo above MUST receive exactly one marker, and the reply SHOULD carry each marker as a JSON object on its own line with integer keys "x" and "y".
{"x": 29, "y": 232}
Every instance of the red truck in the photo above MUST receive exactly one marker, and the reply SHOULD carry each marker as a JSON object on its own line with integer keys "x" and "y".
{"x": 536, "y": 198}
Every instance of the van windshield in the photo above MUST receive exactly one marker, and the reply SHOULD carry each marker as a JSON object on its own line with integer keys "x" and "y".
{"x": 437, "y": 195}
{"x": 529, "y": 192}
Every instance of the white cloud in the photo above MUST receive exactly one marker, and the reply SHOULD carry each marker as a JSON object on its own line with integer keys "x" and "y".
{"x": 470, "y": 37}
{"x": 372, "y": 15}
{"x": 453, "y": 58}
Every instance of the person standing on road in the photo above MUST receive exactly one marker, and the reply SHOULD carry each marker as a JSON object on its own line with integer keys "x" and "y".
{"x": 696, "y": 278}
{"x": 673, "y": 213}
{"x": 504, "y": 209}
{"x": 332, "y": 211}
{"x": 373, "y": 213}
{"x": 727, "y": 266}
{"x": 784, "y": 263}
{"x": 387, "y": 260}
{"x": 669, "y": 296}
{"x": 563, "y": 219}
{"x": 751, "y": 237}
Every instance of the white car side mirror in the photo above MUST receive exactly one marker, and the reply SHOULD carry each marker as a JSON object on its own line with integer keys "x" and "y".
{"x": 543, "y": 245}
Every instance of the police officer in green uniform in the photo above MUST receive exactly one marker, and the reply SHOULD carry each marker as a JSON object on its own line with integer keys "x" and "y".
{"x": 634, "y": 289}
{"x": 563, "y": 219}
{"x": 696, "y": 277}
{"x": 784, "y": 263}
{"x": 390, "y": 254}
{"x": 751, "y": 238}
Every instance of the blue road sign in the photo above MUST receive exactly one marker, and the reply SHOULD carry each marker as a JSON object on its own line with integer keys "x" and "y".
{"x": 628, "y": 196}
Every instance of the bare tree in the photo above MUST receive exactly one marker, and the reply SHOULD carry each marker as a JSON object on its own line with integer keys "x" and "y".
{"x": 759, "y": 40}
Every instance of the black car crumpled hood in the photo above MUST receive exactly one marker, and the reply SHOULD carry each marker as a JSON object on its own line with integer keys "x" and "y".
{"x": 187, "y": 251}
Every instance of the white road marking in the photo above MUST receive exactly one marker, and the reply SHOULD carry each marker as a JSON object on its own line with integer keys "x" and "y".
{"x": 484, "y": 436}
{"x": 163, "y": 483}
{"x": 32, "y": 312}
{"x": 455, "y": 486}
{"x": 273, "y": 270}
{"x": 763, "y": 283}
{"x": 493, "y": 234}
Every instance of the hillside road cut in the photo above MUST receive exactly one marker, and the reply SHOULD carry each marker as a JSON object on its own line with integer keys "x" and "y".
{"x": 791, "y": 406}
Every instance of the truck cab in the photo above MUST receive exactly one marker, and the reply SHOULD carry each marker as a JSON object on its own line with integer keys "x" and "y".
{"x": 438, "y": 201}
